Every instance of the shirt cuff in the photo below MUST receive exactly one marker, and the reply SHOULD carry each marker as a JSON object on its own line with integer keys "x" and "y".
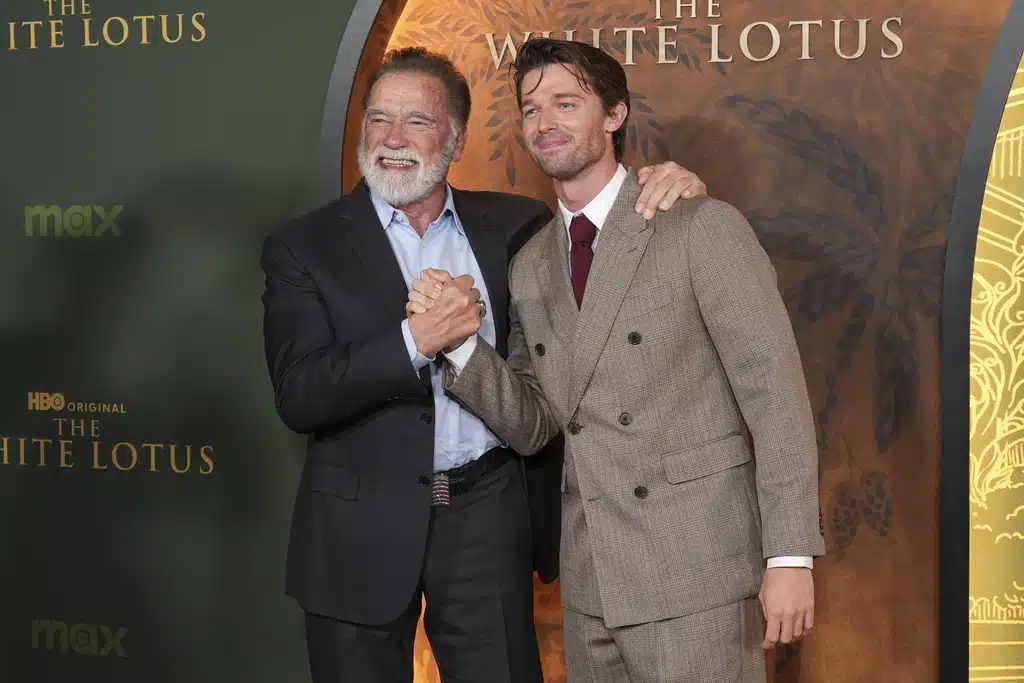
{"x": 417, "y": 358}
{"x": 791, "y": 562}
{"x": 460, "y": 356}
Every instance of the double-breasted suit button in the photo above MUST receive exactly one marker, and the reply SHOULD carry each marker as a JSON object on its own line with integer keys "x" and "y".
{"x": 634, "y": 338}
{"x": 426, "y": 418}
{"x": 625, "y": 419}
{"x": 424, "y": 480}
{"x": 574, "y": 428}
{"x": 640, "y": 492}
{"x": 539, "y": 348}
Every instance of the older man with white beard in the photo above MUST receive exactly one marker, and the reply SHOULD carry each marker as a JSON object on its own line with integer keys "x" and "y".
{"x": 404, "y": 494}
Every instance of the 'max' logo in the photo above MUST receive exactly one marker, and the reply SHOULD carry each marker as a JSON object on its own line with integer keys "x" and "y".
{"x": 75, "y": 221}
{"x": 82, "y": 639}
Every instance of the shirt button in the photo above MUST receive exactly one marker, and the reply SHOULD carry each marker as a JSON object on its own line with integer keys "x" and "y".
{"x": 635, "y": 338}
{"x": 625, "y": 419}
{"x": 574, "y": 428}
{"x": 539, "y": 348}
{"x": 640, "y": 492}
{"x": 426, "y": 418}
{"x": 424, "y": 480}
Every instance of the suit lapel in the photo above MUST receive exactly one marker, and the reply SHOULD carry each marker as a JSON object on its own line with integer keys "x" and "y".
{"x": 621, "y": 245}
{"x": 365, "y": 235}
{"x": 553, "y": 274}
{"x": 491, "y": 252}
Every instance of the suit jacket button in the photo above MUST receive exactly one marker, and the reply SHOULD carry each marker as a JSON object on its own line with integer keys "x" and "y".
{"x": 574, "y": 428}
{"x": 625, "y": 419}
{"x": 635, "y": 338}
{"x": 424, "y": 480}
{"x": 640, "y": 492}
{"x": 539, "y": 348}
{"x": 426, "y": 418}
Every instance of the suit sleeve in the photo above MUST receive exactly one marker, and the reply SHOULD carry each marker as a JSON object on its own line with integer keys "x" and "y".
{"x": 320, "y": 380}
{"x": 505, "y": 394}
{"x": 736, "y": 289}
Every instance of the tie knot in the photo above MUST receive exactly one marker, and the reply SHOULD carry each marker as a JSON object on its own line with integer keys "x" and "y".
{"x": 582, "y": 230}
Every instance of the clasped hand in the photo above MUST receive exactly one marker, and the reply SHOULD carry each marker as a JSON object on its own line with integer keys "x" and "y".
{"x": 443, "y": 311}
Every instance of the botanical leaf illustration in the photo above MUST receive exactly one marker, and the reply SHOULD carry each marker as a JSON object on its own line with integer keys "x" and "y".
{"x": 795, "y": 132}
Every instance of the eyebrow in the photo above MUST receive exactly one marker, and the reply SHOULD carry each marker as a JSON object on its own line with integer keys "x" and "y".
{"x": 557, "y": 96}
{"x": 374, "y": 111}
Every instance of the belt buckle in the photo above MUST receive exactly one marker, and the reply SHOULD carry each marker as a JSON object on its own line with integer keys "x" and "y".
{"x": 440, "y": 491}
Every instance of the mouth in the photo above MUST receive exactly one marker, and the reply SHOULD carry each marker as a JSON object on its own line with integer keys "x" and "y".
{"x": 550, "y": 144}
{"x": 396, "y": 164}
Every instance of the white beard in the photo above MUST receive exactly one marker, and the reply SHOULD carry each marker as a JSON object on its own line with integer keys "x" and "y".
{"x": 400, "y": 188}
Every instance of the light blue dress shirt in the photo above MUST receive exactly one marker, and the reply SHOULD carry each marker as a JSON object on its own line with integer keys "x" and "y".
{"x": 459, "y": 436}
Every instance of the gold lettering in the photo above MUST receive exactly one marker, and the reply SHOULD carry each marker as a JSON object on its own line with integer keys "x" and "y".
{"x": 629, "y": 42}
{"x": 95, "y": 424}
{"x": 96, "y": 456}
{"x": 663, "y": 43}
{"x": 715, "y": 54}
{"x": 657, "y": 9}
{"x": 49, "y": 7}
{"x": 507, "y": 45}
{"x": 60, "y": 425}
{"x": 745, "y": 41}
{"x": 131, "y": 449}
{"x": 152, "y": 454}
{"x": 106, "y": 31}
{"x": 56, "y": 33}
{"x": 145, "y": 27}
{"x": 596, "y": 33}
{"x": 206, "y": 453}
{"x": 3, "y": 451}
{"x": 680, "y": 5}
{"x": 13, "y": 45}
{"x": 805, "y": 36}
{"x": 862, "y": 38}
{"x": 42, "y": 450}
{"x": 67, "y": 8}
{"x": 77, "y": 427}
{"x": 712, "y": 6}
{"x": 199, "y": 27}
{"x": 174, "y": 461}
{"x": 32, "y": 25}
{"x": 85, "y": 8}
{"x": 895, "y": 39}
{"x": 87, "y": 24}
{"x": 65, "y": 453}
{"x": 21, "y": 451}
{"x": 163, "y": 28}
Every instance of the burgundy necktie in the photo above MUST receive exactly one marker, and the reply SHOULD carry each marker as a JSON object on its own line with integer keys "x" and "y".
{"x": 581, "y": 253}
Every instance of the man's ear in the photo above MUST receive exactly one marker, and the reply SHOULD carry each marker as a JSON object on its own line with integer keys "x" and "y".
{"x": 460, "y": 145}
{"x": 615, "y": 118}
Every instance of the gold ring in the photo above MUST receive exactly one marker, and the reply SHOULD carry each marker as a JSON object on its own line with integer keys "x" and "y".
{"x": 483, "y": 307}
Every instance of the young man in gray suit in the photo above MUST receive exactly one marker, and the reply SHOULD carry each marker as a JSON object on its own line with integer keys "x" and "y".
{"x": 663, "y": 350}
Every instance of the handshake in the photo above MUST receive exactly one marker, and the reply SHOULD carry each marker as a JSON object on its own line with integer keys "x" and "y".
{"x": 443, "y": 311}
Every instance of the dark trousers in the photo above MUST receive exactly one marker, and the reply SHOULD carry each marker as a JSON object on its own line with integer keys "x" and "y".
{"x": 478, "y": 584}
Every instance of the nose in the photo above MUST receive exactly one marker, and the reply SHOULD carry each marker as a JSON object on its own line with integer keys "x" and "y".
{"x": 545, "y": 120}
{"x": 395, "y": 137}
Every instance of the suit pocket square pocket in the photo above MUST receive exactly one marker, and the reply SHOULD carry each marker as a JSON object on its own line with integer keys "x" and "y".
{"x": 638, "y": 304}
{"x": 707, "y": 459}
{"x": 334, "y": 481}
